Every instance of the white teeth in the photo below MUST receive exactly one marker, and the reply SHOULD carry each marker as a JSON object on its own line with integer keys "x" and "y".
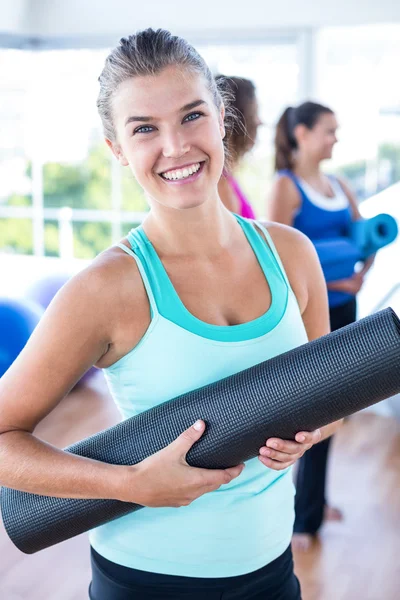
{"x": 181, "y": 173}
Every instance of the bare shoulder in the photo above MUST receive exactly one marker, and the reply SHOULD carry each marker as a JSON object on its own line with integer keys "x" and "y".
{"x": 106, "y": 278}
{"x": 111, "y": 295}
{"x": 288, "y": 239}
{"x": 284, "y": 187}
{"x": 298, "y": 257}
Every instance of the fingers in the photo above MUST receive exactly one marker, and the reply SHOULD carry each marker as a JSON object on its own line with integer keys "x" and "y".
{"x": 212, "y": 479}
{"x": 309, "y": 437}
{"x": 283, "y": 453}
{"x": 282, "y": 457}
{"x": 274, "y": 464}
{"x": 285, "y": 446}
{"x": 305, "y": 438}
{"x": 234, "y": 472}
{"x": 190, "y": 436}
{"x": 220, "y": 477}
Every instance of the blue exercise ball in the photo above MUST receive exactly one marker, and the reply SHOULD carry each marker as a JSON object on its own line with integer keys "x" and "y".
{"x": 43, "y": 290}
{"x": 18, "y": 318}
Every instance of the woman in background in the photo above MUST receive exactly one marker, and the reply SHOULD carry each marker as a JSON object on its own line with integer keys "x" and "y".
{"x": 240, "y": 140}
{"x": 322, "y": 207}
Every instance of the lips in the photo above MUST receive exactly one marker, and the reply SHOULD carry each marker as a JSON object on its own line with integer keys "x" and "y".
{"x": 182, "y": 172}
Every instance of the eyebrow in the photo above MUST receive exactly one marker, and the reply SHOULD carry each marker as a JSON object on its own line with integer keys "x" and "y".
{"x": 189, "y": 106}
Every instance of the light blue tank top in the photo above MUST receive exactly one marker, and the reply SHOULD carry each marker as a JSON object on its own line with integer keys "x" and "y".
{"x": 247, "y": 523}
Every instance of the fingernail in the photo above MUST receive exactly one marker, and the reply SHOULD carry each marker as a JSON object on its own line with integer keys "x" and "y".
{"x": 302, "y": 438}
{"x": 198, "y": 425}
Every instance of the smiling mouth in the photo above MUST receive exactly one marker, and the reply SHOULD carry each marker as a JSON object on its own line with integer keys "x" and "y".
{"x": 182, "y": 173}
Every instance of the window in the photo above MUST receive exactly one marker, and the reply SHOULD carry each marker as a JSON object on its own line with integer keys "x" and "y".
{"x": 357, "y": 77}
{"x": 273, "y": 67}
{"x": 62, "y": 193}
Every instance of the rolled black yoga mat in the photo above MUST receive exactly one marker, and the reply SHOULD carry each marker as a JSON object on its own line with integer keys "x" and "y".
{"x": 300, "y": 390}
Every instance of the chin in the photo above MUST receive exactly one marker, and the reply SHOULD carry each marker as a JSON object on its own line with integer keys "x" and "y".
{"x": 188, "y": 203}
{"x": 326, "y": 156}
{"x": 182, "y": 203}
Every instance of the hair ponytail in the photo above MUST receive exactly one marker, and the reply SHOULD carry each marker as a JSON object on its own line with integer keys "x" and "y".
{"x": 285, "y": 143}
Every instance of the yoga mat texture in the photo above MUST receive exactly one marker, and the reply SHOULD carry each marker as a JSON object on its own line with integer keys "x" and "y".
{"x": 305, "y": 388}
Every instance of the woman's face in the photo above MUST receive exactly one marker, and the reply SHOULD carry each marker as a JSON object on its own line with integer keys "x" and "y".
{"x": 319, "y": 141}
{"x": 170, "y": 133}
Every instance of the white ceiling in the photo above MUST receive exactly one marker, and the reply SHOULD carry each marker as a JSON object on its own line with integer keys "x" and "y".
{"x": 106, "y": 20}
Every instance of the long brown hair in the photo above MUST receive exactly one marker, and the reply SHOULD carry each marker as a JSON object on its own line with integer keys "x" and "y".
{"x": 241, "y": 94}
{"x": 306, "y": 114}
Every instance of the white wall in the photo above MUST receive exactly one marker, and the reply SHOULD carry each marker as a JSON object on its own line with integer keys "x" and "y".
{"x": 102, "y": 18}
{"x": 13, "y": 16}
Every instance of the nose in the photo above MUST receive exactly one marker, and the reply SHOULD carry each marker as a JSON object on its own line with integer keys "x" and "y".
{"x": 175, "y": 144}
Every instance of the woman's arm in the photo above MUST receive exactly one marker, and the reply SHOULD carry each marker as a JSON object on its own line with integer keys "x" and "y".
{"x": 283, "y": 201}
{"x": 81, "y": 327}
{"x": 74, "y": 333}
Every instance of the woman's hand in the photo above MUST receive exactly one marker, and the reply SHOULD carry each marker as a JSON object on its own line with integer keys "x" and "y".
{"x": 368, "y": 264}
{"x": 166, "y": 479}
{"x": 352, "y": 285}
{"x": 280, "y": 454}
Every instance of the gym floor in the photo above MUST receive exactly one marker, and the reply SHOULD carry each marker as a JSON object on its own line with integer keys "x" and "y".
{"x": 355, "y": 559}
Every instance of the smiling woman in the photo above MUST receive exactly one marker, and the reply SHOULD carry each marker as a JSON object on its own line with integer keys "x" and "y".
{"x": 173, "y": 146}
{"x": 191, "y": 296}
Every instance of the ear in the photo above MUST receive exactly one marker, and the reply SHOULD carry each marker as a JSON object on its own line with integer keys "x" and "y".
{"x": 221, "y": 121}
{"x": 300, "y": 132}
{"x": 117, "y": 151}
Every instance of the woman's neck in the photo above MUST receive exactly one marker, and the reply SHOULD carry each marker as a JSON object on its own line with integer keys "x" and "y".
{"x": 204, "y": 230}
{"x": 307, "y": 169}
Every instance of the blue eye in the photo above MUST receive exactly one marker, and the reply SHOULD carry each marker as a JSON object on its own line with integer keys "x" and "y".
{"x": 144, "y": 129}
{"x": 193, "y": 116}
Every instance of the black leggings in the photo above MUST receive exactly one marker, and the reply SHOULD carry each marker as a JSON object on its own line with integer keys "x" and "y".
{"x": 275, "y": 581}
{"x": 311, "y": 475}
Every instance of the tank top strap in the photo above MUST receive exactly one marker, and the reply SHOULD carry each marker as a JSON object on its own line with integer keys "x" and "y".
{"x": 146, "y": 283}
{"x": 288, "y": 173}
{"x": 273, "y": 251}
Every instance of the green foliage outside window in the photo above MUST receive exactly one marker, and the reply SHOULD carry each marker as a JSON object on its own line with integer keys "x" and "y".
{"x": 87, "y": 185}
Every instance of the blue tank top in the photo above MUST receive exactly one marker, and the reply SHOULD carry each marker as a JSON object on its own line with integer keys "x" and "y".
{"x": 321, "y": 222}
{"x": 247, "y": 523}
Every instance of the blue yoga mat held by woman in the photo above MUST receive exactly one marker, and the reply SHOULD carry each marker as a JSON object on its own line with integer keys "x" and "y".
{"x": 191, "y": 296}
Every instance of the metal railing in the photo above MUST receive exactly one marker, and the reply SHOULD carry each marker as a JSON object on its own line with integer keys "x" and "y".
{"x": 66, "y": 216}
